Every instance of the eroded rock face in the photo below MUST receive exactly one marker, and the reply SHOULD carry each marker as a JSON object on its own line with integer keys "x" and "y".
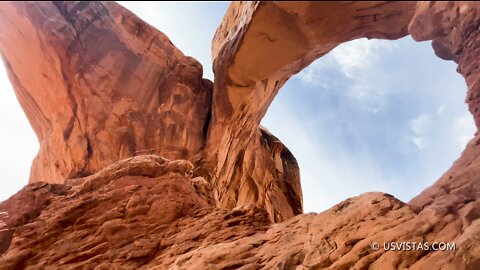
{"x": 256, "y": 49}
{"x": 161, "y": 170}
{"x": 118, "y": 219}
{"x": 341, "y": 237}
{"x": 100, "y": 85}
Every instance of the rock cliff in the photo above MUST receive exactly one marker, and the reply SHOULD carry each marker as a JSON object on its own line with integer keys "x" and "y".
{"x": 144, "y": 164}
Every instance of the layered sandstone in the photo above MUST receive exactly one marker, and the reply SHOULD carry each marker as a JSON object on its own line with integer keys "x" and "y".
{"x": 119, "y": 219}
{"x": 256, "y": 49}
{"x": 144, "y": 164}
{"x": 101, "y": 85}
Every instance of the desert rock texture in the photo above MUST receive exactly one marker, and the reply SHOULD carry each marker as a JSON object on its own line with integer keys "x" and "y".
{"x": 143, "y": 164}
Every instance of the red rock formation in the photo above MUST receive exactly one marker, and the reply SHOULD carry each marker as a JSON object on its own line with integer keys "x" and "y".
{"x": 120, "y": 219}
{"x": 258, "y": 46}
{"x": 117, "y": 88}
{"x": 99, "y": 85}
{"x": 102, "y": 85}
{"x": 138, "y": 213}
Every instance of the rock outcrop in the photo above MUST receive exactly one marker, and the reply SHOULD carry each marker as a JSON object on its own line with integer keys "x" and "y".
{"x": 256, "y": 49}
{"x": 101, "y": 85}
{"x": 143, "y": 164}
{"x": 137, "y": 213}
{"x": 119, "y": 219}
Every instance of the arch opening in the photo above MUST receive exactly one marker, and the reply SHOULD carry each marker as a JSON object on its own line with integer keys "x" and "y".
{"x": 372, "y": 115}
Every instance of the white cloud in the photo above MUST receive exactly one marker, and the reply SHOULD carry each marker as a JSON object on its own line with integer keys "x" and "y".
{"x": 312, "y": 76}
{"x": 420, "y": 126}
{"x": 354, "y": 59}
{"x": 358, "y": 56}
{"x": 461, "y": 132}
{"x": 374, "y": 109}
{"x": 357, "y": 60}
{"x": 441, "y": 109}
{"x": 464, "y": 129}
{"x": 328, "y": 174}
{"x": 420, "y": 143}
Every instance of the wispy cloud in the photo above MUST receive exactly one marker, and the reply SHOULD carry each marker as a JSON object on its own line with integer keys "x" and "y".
{"x": 419, "y": 142}
{"x": 441, "y": 108}
{"x": 312, "y": 76}
{"x": 420, "y": 126}
{"x": 359, "y": 56}
{"x": 325, "y": 170}
{"x": 464, "y": 128}
{"x": 354, "y": 61}
{"x": 382, "y": 121}
{"x": 461, "y": 131}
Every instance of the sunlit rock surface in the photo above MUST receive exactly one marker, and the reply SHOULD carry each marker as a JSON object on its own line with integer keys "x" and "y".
{"x": 145, "y": 165}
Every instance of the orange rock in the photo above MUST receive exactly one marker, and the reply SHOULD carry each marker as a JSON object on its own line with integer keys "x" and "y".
{"x": 256, "y": 49}
{"x": 162, "y": 170}
{"x": 99, "y": 85}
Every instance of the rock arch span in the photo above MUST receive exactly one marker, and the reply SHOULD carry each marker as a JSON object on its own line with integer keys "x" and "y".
{"x": 260, "y": 45}
{"x": 101, "y": 85}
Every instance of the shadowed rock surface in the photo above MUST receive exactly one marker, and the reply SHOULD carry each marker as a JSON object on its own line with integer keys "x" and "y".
{"x": 145, "y": 165}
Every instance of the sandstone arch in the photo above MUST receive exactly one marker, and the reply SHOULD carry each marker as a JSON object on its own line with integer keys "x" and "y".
{"x": 99, "y": 85}
{"x": 256, "y": 50}
{"x": 260, "y": 45}
{"x": 130, "y": 91}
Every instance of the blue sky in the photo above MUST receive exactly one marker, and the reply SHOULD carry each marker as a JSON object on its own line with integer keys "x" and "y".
{"x": 371, "y": 115}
